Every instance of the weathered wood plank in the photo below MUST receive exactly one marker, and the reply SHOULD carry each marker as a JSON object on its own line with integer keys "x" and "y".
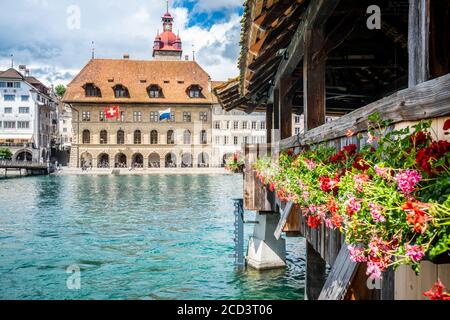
{"x": 315, "y": 273}
{"x": 315, "y": 15}
{"x": 340, "y": 277}
{"x": 418, "y": 41}
{"x": 313, "y": 80}
{"x": 430, "y": 99}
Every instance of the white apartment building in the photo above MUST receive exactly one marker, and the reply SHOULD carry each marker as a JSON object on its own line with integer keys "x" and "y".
{"x": 233, "y": 129}
{"x": 298, "y": 123}
{"x": 64, "y": 126}
{"x": 27, "y": 116}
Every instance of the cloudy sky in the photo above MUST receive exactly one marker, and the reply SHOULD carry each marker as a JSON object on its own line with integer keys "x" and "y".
{"x": 54, "y": 37}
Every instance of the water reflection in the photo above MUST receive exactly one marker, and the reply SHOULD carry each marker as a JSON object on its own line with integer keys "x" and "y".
{"x": 153, "y": 237}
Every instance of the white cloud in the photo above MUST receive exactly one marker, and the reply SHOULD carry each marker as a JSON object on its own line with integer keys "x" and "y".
{"x": 38, "y": 35}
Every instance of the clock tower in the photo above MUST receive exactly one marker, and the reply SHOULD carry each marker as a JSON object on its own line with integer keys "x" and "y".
{"x": 167, "y": 45}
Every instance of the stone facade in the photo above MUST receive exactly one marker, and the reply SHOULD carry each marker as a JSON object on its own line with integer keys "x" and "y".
{"x": 148, "y": 153}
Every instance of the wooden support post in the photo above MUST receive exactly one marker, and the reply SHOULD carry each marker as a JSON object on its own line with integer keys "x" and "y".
{"x": 315, "y": 273}
{"x": 276, "y": 110}
{"x": 269, "y": 123}
{"x": 285, "y": 103}
{"x": 418, "y": 41}
{"x": 314, "y": 80}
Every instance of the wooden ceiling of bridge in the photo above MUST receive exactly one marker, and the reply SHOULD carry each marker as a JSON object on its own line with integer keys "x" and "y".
{"x": 362, "y": 65}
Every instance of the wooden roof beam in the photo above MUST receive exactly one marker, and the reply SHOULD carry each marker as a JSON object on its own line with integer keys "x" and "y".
{"x": 316, "y": 15}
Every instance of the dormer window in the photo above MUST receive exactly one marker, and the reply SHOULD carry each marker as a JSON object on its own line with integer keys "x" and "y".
{"x": 195, "y": 91}
{"x": 91, "y": 90}
{"x": 154, "y": 91}
{"x": 121, "y": 91}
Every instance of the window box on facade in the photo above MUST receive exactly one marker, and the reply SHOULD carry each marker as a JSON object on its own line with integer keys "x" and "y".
{"x": 102, "y": 116}
{"x": 154, "y": 137}
{"x": 203, "y": 137}
{"x": 137, "y": 116}
{"x": 170, "y": 137}
{"x": 187, "y": 117}
{"x": 154, "y": 116}
{"x": 137, "y": 137}
{"x": 86, "y": 137}
{"x": 9, "y": 124}
{"x": 195, "y": 91}
{"x": 103, "y": 136}
{"x": 86, "y": 116}
{"x": 154, "y": 91}
{"x": 204, "y": 116}
{"x": 90, "y": 90}
{"x": 121, "y": 91}
{"x": 23, "y": 125}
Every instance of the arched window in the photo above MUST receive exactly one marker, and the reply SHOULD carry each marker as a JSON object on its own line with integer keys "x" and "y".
{"x": 86, "y": 137}
{"x": 120, "y": 137}
{"x": 154, "y": 137}
{"x": 187, "y": 137}
{"x": 91, "y": 90}
{"x": 121, "y": 91}
{"x": 154, "y": 91}
{"x": 103, "y": 137}
{"x": 203, "y": 137}
{"x": 137, "y": 137}
{"x": 170, "y": 137}
{"x": 203, "y": 160}
{"x": 103, "y": 161}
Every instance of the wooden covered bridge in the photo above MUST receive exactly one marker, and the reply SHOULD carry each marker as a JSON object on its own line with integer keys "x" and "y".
{"x": 345, "y": 58}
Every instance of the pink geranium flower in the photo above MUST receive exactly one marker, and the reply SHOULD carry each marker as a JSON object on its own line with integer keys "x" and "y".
{"x": 407, "y": 180}
{"x": 416, "y": 253}
{"x": 376, "y": 212}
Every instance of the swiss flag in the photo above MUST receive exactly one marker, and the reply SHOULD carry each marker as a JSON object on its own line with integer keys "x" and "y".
{"x": 112, "y": 112}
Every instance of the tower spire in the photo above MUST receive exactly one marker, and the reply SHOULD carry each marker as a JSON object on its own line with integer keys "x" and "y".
{"x": 167, "y": 3}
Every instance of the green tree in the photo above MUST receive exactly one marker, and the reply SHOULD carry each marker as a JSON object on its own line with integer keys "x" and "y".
{"x": 5, "y": 154}
{"x": 60, "y": 90}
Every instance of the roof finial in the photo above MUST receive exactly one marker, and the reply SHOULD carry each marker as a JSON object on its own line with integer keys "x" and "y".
{"x": 93, "y": 50}
{"x": 193, "y": 53}
{"x": 12, "y": 60}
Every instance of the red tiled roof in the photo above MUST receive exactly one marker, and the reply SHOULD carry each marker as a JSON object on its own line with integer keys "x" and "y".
{"x": 174, "y": 77}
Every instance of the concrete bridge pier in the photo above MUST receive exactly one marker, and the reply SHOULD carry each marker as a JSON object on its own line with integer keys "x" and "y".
{"x": 264, "y": 250}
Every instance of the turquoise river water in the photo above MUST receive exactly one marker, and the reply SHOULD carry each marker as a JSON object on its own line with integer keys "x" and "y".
{"x": 133, "y": 237}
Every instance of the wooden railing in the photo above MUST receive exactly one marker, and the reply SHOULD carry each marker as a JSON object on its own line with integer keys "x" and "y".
{"x": 429, "y": 100}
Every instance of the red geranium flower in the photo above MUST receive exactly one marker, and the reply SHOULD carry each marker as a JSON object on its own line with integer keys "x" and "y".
{"x": 437, "y": 292}
{"x": 272, "y": 187}
{"x": 314, "y": 222}
{"x": 416, "y": 216}
{"x": 447, "y": 124}
{"x": 420, "y": 139}
{"x": 361, "y": 164}
{"x": 290, "y": 153}
{"x": 325, "y": 184}
{"x": 350, "y": 149}
{"x": 434, "y": 152}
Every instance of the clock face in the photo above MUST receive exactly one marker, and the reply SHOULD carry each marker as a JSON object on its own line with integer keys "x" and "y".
{"x": 168, "y": 27}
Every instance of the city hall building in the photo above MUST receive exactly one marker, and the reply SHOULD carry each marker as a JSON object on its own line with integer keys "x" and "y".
{"x": 141, "y": 91}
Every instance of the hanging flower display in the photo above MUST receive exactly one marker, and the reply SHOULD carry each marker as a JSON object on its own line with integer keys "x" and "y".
{"x": 391, "y": 198}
